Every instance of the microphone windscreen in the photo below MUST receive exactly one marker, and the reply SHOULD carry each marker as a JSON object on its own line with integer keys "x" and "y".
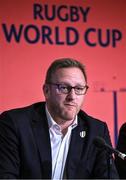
{"x": 99, "y": 142}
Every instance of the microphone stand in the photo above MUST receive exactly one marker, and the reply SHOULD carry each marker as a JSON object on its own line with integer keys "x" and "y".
{"x": 109, "y": 163}
{"x": 100, "y": 143}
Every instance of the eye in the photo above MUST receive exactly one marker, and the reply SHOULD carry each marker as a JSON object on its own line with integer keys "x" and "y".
{"x": 63, "y": 87}
{"x": 79, "y": 88}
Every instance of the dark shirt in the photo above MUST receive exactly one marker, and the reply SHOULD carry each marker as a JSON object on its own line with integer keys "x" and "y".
{"x": 121, "y": 146}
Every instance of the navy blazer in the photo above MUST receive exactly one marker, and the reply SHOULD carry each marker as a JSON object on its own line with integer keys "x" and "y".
{"x": 25, "y": 150}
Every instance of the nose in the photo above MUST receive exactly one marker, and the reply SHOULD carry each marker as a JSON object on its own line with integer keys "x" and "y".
{"x": 71, "y": 95}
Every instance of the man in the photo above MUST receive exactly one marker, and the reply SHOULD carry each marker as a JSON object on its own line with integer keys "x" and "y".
{"x": 54, "y": 139}
{"x": 121, "y": 146}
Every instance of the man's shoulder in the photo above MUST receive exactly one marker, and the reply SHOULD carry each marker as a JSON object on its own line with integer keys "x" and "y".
{"x": 23, "y": 111}
{"x": 94, "y": 126}
{"x": 123, "y": 128}
{"x": 91, "y": 121}
{"x": 22, "y": 119}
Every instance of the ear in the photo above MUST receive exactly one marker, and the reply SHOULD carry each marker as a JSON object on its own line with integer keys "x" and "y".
{"x": 46, "y": 90}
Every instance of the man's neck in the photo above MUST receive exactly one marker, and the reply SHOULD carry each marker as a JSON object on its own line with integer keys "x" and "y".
{"x": 64, "y": 124}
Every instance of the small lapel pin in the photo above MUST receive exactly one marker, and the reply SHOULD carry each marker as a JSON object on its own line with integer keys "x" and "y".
{"x": 82, "y": 134}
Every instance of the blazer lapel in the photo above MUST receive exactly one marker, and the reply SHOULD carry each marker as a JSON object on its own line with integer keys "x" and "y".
{"x": 76, "y": 148}
{"x": 41, "y": 132}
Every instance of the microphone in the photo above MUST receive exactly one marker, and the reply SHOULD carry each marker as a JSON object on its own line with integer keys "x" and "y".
{"x": 100, "y": 143}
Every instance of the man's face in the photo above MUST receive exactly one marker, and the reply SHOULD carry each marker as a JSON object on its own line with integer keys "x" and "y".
{"x": 64, "y": 107}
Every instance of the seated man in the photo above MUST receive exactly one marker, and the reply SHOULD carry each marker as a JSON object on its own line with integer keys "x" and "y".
{"x": 55, "y": 139}
{"x": 121, "y": 146}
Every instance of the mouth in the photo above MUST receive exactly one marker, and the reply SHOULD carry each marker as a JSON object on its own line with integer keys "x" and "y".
{"x": 70, "y": 105}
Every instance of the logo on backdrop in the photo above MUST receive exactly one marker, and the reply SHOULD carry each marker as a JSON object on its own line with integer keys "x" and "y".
{"x": 57, "y": 35}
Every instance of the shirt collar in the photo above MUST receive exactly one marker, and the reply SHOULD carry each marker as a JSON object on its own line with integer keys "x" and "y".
{"x": 52, "y": 123}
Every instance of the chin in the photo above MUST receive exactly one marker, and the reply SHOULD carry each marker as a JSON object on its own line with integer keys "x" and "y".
{"x": 68, "y": 115}
{"x": 69, "y": 118}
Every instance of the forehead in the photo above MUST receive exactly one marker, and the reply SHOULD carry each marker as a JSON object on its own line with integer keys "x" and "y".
{"x": 72, "y": 75}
